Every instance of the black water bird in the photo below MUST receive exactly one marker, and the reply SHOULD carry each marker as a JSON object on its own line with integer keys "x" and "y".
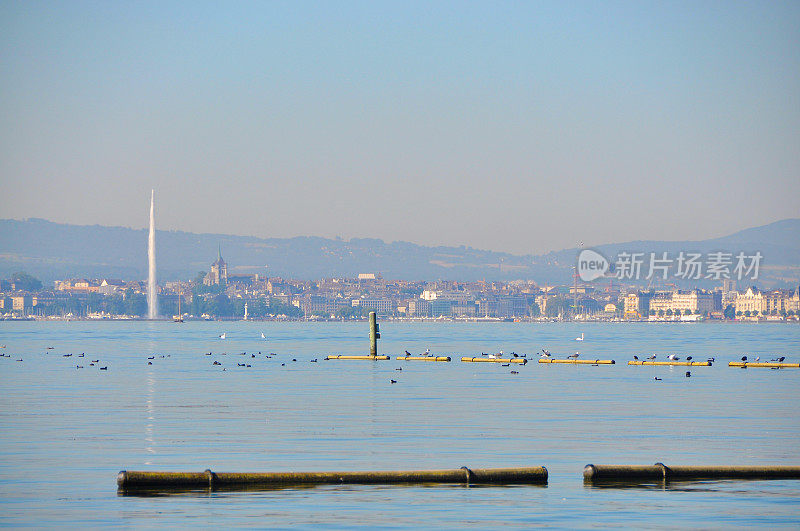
{"x": 515, "y": 354}
{"x": 67, "y": 355}
{"x": 399, "y": 369}
{"x": 688, "y": 374}
{"x": 79, "y": 366}
{"x": 393, "y": 381}
{"x": 688, "y": 358}
{"x": 95, "y": 361}
{"x": 314, "y": 360}
{"x": 283, "y": 364}
{"x": 104, "y": 368}
{"x": 636, "y": 358}
{"x": 80, "y": 355}
{"x": 651, "y": 357}
{"x": 151, "y": 358}
{"x": 780, "y": 360}
{"x": 294, "y": 359}
{"x": 216, "y": 363}
{"x": 240, "y": 364}
{"x": 514, "y": 372}
{"x": 149, "y": 362}
{"x": 656, "y": 378}
{"x": 744, "y": 358}
{"x": 407, "y": 353}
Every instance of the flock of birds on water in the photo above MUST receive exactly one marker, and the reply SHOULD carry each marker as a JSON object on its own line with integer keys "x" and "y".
{"x": 500, "y": 355}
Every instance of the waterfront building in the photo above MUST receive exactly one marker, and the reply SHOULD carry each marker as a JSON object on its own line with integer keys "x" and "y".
{"x": 751, "y": 301}
{"x": 637, "y": 305}
{"x": 697, "y": 301}
{"x": 418, "y": 308}
{"x": 379, "y": 306}
{"x": 441, "y": 308}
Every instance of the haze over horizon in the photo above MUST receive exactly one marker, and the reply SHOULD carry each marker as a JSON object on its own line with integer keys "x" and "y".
{"x": 512, "y": 127}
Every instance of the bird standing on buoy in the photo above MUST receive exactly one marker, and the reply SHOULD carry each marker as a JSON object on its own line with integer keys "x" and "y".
{"x": 673, "y": 357}
{"x": 574, "y": 356}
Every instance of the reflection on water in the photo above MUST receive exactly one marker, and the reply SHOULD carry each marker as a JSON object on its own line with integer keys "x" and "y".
{"x": 66, "y": 432}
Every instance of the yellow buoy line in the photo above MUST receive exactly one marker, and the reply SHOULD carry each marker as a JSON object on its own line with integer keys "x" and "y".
{"x": 572, "y": 361}
{"x": 134, "y": 482}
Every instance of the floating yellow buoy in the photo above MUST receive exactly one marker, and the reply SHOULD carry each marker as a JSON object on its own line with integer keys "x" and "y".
{"x": 343, "y": 357}
{"x": 424, "y": 358}
{"x": 578, "y": 362}
{"x": 133, "y": 481}
{"x": 495, "y": 360}
{"x": 692, "y": 363}
{"x": 662, "y": 472}
{"x": 762, "y": 364}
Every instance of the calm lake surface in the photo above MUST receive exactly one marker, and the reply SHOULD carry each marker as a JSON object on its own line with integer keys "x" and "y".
{"x": 66, "y": 432}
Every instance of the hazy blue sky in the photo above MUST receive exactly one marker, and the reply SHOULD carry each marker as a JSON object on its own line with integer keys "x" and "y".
{"x": 516, "y": 126}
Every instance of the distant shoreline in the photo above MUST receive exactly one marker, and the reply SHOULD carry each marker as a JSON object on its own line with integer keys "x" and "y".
{"x": 397, "y": 320}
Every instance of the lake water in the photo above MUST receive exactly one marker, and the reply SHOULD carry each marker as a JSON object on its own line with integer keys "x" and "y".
{"x": 66, "y": 432}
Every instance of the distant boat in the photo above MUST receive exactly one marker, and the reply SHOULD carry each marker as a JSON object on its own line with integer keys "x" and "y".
{"x": 579, "y": 338}
{"x": 178, "y": 318}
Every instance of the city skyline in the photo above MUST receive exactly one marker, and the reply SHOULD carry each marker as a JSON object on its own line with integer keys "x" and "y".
{"x": 431, "y": 123}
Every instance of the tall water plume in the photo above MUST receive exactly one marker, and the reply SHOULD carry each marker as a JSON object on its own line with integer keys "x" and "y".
{"x": 152, "y": 296}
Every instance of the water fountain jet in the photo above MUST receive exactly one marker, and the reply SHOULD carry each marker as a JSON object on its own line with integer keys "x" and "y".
{"x": 152, "y": 296}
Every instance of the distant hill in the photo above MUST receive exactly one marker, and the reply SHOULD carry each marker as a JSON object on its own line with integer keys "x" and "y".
{"x": 52, "y": 251}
